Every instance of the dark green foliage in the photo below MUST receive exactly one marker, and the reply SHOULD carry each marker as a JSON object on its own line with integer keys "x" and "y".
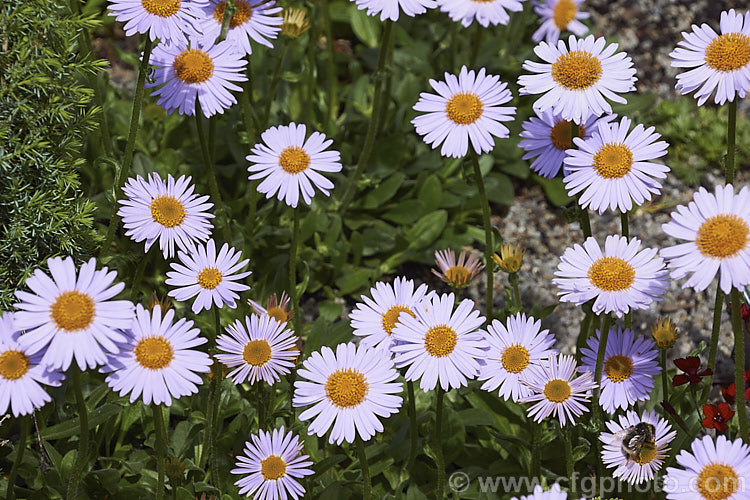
{"x": 44, "y": 114}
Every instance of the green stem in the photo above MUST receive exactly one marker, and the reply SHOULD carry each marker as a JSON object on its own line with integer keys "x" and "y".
{"x": 567, "y": 437}
{"x": 488, "y": 246}
{"x": 261, "y": 405}
{"x": 293, "y": 273}
{"x": 388, "y": 76}
{"x": 332, "y": 77}
{"x": 372, "y": 126}
{"x": 161, "y": 446}
{"x": 312, "y": 38}
{"x": 714, "y": 347}
{"x": 476, "y": 43}
{"x": 139, "y": 270}
{"x": 366, "y": 484}
{"x": 536, "y": 458}
{"x": 513, "y": 278}
{"x": 209, "y": 161}
{"x": 214, "y": 401}
{"x": 83, "y": 439}
{"x": 731, "y": 133}
{"x": 114, "y": 219}
{"x": 20, "y": 450}
{"x": 583, "y": 333}
{"x": 275, "y": 79}
{"x": 453, "y": 47}
{"x": 413, "y": 429}
{"x": 229, "y": 10}
{"x": 251, "y": 124}
{"x": 626, "y": 234}
{"x": 437, "y": 441}
{"x": 739, "y": 365}
{"x": 595, "y": 404}
{"x": 664, "y": 381}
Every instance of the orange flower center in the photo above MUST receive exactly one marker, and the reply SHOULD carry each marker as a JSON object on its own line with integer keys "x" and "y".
{"x": 346, "y": 388}
{"x": 561, "y": 135}
{"x": 240, "y": 17}
{"x": 565, "y": 11}
{"x": 13, "y": 365}
{"x": 722, "y": 236}
{"x": 576, "y": 70}
{"x": 167, "y": 211}
{"x": 611, "y": 274}
{"x": 161, "y": 8}
{"x": 73, "y": 311}
{"x": 154, "y": 352}
{"x": 464, "y": 108}
{"x": 440, "y": 341}
{"x": 728, "y": 52}
{"x": 193, "y": 66}
{"x": 294, "y": 160}
{"x": 613, "y": 161}
{"x": 390, "y": 318}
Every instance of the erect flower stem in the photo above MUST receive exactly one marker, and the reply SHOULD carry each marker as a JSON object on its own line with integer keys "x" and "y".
{"x": 139, "y": 270}
{"x": 714, "y": 346}
{"x": 488, "y": 245}
{"x": 332, "y": 108}
{"x": 513, "y": 279}
{"x": 25, "y": 423}
{"x": 372, "y": 126}
{"x": 209, "y": 161}
{"x": 731, "y": 133}
{"x": 413, "y": 429}
{"x": 114, "y": 219}
{"x": 161, "y": 445}
{"x": 229, "y": 10}
{"x": 626, "y": 234}
{"x": 664, "y": 381}
{"x": 437, "y": 441}
{"x": 275, "y": 79}
{"x": 366, "y": 483}
{"x": 536, "y": 457}
{"x": 596, "y": 407}
{"x": 567, "y": 437}
{"x": 83, "y": 439}
{"x": 312, "y": 40}
{"x": 251, "y": 125}
{"x": 297, "y": 318}
{"x": 476, "y": 43}
{"x": 739, "y": 365}
{"x": 209, "y": 449}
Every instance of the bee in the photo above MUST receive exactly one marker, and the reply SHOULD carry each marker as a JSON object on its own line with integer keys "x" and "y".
{"x": 637, "y": 441}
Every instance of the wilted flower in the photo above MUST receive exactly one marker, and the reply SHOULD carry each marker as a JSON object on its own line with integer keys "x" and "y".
{"x": 457, "y": 274}
{"x": 510, "y": 258}
{"x": 295, "y": 22}
{"x": 664, "y": 333}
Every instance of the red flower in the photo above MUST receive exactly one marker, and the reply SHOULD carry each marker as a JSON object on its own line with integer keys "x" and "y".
{"x": 744, "y": 311}
{"x": 690, "y": 366}
{"x": 716, "y": 417}
{"x": 730, "y": 393}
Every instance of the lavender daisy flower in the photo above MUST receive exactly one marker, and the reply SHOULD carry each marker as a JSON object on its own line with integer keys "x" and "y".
{"x": 557, "y": 391}
{"x": 556, "y": 16}
{"x": 440, "y": 345}
{"x": 159, "y": 361}
{"x": 554, "y": 493}
{"x": 547, "y": 136}
{"x": 620, "y": 279}
{"x": 457, "y": 273}
{"x": 21, "y": 374}
{"x": 513, "y": 350}
{"x": 256, "y": 19}
{"x": 390, "y": 9}
{"x": 714, "y": 470}
{"x": 467, "y": 108}
{"x": 169, "y": 212}
{"x": 196, "y": 68}
{"x": 290, "y": 165}
{"x": 260, "y": 349}
{"x": 272, "y": 464}
{"x": 213, "y": 278}
{"x": 485, "y": 12}
{"x": 167, "y": 20}
{"x": 71, "y": 314}
{"x": 629, "y": 367}
{"x": 576, "y": 79}
{"x": 374, "y": 319}
{"x": 613, "y": 168}
{"x": 719, "y": 62}
{"x": 717, "y": 230}
{"x": 643, "y": 467}
{"x": 348, "y": 390}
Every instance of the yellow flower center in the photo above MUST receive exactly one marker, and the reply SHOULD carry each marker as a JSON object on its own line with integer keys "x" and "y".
{"x": 278, "y": 314}
{"x": 167, "y": 211}
{"x": 209, "y": 278}
{"x": 611, "y": 274}
{"x": 464, "y": 108}
{"x": 515, "y": 359}
{"x": 272, "y": 468}
{"x": 576, "y": 70}
{"x": 565, "y": 11}
{"x": 294, "y": 160}
{"x": 73, "y": 311}
{"x": 717, "y": 482}
{"x": 346, "y": 388}
{"x": 161, "y": 8}
{"x": 390, "y": 318}
{"x": 154, "y": 352}
{"x": 240, "y": 17}
{"x": 557, "y": 390}
{"x": 257, "y": 352}
{"x": 458, "y": 275}
{"x": 440, "y": 341}
{"x": 728, "y": 52}
{"x": 647, "y": 454}
{"x": 613, "y": 161}
{"x": 13, "y": 365}
{"x": 561, "y": 135}
{"x": 193, "y": 66}
{"x": 722, "y": 236}
{"x": 618, "y": 368}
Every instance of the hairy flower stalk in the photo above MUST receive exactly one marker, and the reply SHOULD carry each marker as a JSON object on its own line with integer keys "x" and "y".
{"x": 20, "y": 449}
{"x": 488, "y": 245}
{"x": 83, "y": 438}
{"x": 437, "y": 434}
{"x": 366, "y": 482}
{"x": 208, "y": 159}
{"x": 161, "y": 448}
{"x": 332, "y": 78}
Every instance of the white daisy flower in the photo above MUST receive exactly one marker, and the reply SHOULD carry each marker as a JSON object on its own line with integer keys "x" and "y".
{"x": 485, "y": 12}
{"x": 440, "y": 345}
{"x": 375, "y": 319}
{"x": 169, "y": 212}
{"x": 260, "y": 349}
{"x": 159, "y": 361}
{"x": 348, "y": 390}
{"x": 390, "y": 9}
{"x": 554, "y": 493}
{"x": 167, "y": 20}
{"x": 576, "y": 79}
{"x": 213, "y": 278}
{"x": 290, "y": 165}
{"x": 513, "y": 350}
{"x": 71, "y": 314}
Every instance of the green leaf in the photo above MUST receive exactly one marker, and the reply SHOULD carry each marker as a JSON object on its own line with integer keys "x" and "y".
{"x": 367, "y": 28}
{"x": 427, "y": 229}
{"x": 430, "y": 193}
{"x": 73, "y": 426}
{"x": 554, "y": 189}
{"x": 384, "y": 192}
